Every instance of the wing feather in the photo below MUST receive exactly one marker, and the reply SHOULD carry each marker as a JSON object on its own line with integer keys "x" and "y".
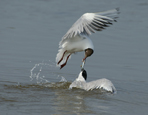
{"x": 90, "y": 22}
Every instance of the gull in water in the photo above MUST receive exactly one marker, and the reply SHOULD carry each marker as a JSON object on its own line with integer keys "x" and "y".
{"x": 77, "y": 38}
{"x": 103, "y": 83}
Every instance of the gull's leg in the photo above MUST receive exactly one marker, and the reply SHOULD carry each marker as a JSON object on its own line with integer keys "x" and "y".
{"x": 65, "y": 62}
{"x": 62, "y": 57}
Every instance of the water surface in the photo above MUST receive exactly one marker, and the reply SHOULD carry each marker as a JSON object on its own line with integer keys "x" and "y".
{"x": 30, "y": 82}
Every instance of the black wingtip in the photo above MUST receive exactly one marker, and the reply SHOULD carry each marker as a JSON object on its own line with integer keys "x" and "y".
{"x": 115, "y": 20}
{"x": 117, "y": 8}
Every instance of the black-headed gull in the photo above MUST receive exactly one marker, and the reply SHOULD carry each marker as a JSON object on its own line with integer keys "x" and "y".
{"x": 81, "y": 83}
{"x": 77, "y": 38}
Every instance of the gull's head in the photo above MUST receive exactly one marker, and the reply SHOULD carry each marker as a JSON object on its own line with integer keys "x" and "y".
{"x": 88, "y": 52}
{"x": 82, "y": 75}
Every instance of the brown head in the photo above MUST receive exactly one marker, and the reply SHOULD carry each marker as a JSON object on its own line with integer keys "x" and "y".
{"x": 88, "y": 52}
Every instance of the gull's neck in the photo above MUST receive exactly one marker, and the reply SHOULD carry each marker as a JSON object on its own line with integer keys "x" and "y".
{"x": 80, "y": 78}
{"x": 87, "y": 43}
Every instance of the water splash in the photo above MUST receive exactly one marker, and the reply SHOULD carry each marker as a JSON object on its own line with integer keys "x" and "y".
{"x": 62, "y": 79}
{"x": 45, "y": 73}
{"x": 35, "y": 73}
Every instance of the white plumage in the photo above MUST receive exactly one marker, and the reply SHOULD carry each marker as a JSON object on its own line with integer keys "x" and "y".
{"x": 103, "y": 83}
{"x": 77, "y": 38}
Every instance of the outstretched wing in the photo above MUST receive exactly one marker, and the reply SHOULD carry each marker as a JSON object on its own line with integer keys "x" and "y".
{"x": 90, "y": 22}
{"x": 101, "y": 84}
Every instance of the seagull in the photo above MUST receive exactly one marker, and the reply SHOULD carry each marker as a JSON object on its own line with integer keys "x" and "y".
{"x": 103, "y": 83}
{"x": 77, "y": 38}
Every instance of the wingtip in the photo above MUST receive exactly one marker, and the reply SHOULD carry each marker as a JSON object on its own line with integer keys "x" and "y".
{"x": 117, "y": 9}
{"x": 115, "y": 20}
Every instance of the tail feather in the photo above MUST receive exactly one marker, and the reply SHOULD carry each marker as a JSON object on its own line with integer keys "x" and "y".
{"x": 59, "y": 56}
